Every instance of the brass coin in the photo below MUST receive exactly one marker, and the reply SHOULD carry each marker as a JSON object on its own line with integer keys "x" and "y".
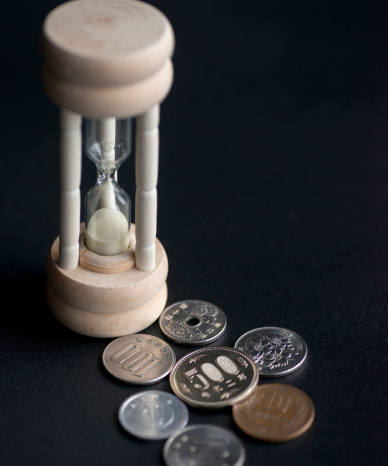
{"x": 275, "y": 413}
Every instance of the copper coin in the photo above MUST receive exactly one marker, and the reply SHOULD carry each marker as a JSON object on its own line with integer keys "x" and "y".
{"x": 275, "y": 413}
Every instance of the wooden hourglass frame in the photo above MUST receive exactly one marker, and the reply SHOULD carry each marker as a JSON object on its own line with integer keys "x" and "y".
{"x": 105, "y": 59}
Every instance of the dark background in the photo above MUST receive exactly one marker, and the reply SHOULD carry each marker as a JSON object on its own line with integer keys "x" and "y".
{"x": 273, "y": 205}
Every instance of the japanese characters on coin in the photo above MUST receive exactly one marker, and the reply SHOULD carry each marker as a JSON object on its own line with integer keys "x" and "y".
{"x": 214, "y": 377}
{"x": 275, "y": 413}
{"x": 153, "y": 415}
{"x": 139, "y": 359}
{"x": 204, "y": 444}
{"x": 192, "y": 323}
{"x": 276, "y": 351}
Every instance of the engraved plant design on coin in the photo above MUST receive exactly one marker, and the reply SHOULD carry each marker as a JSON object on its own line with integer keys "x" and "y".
{"x": 192, "y": 323}
{"x": 270, "y": 350}
{"x": 276, "y": 351}
{"x": 214, "y": 377}
{"x": 153, "y": 414}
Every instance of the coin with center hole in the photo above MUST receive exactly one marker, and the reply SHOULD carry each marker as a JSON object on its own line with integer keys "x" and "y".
{"x": 214, "y": 377}
{"x": 275, "y": 413}
{"x": 204, "y": 444}
{"x": 275, "y": 350}
{"x": 192, "y": 323}
{"x": 153, "y": 415}
{"x": 139, "y": 359}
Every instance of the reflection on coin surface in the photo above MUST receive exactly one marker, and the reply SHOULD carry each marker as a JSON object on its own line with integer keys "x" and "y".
{"x": 192, "y": 323}
{"x": 214, "y": 377}
{"x": 153, "y": 415}
{"x": 139, "y": 359}
{"x": 275, "y": 413}
{"x": 276, "y": 351}
{"x": 204, "y": 445}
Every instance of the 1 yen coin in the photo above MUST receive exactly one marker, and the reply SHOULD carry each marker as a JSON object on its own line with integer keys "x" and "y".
{"x": 153, "y": 415}
{"x": 204, "y": 445}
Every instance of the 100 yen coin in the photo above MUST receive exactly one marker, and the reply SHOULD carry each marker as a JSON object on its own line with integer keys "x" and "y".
{"x": 214, "y": 377}
{"x": 139, "y": 359}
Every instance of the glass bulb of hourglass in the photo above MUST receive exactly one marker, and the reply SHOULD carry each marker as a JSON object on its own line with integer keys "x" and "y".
{"x": 108, "y": 207}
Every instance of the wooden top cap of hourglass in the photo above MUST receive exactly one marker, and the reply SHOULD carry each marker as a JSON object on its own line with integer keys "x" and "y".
{"x": 107, "y": 57}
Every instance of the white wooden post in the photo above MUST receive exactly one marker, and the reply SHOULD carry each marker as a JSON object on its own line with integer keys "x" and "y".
{"x": 147, "y": 155}
{"x": 70, "y": 195}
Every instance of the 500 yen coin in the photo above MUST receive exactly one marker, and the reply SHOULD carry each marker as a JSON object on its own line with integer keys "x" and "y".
{"x": 214, "y": 377}
{"x": 275, "y": 413}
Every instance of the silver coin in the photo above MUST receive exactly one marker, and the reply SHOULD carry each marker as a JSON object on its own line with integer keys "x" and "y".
{"x": 204, "y": 445}
{"x": 276, "y": 351}
{"x": 192, "y": 323}
{"x": 214, "y": 377}
{"x": 139, "y": 359}
{"x": 153, "y": 415}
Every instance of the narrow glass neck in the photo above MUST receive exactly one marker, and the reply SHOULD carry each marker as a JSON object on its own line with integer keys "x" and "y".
{"x": 104, "y": 177}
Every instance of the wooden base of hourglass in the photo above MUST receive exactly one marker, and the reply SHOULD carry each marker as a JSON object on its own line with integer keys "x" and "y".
{"x": 106, "y": 305}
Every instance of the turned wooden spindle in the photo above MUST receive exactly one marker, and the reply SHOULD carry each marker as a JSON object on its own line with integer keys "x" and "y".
{"x": 70, "y": 195}
{"x": 147, "y": 158}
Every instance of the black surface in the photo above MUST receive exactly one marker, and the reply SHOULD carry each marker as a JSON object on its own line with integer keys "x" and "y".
{"x": 273, "y": 204}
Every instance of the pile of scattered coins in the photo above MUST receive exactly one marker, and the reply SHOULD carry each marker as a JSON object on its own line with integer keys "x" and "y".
{"x": 213, "y": 378}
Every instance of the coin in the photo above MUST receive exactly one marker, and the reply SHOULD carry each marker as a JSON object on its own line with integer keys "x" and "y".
{"x": 153, "y": 415}
{"x": 276, "y": 351}
{"x": 275, "y": 413}
{"x": 139, "y": 359}
{"x": 192, "y": 323}
{"x": 214, "y": 377}
{"x": 203, "y": 445}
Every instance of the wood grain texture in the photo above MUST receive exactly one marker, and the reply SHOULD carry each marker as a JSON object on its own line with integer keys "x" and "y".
{"x": 106, "y": 43}
{"x": 106, "y": 264}
{"x": 101, "y": 102}
{"x": 106, "y": 293}
{"x": 106, "y": 325}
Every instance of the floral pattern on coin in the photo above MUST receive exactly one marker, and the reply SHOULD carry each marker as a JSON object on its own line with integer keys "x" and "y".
{"x": 204, "y": 310}
{"x": 270, "y": 350}
{"x": 176, "y": 327}
{"x": 192, "y": 322}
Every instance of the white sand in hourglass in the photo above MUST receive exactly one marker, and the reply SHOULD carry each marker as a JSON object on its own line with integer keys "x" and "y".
{"x": 107, "y": 232}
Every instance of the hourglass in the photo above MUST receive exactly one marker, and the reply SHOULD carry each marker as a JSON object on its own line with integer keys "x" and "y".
{"x": 108, "y": 214}
{"x": 107, "y": 62}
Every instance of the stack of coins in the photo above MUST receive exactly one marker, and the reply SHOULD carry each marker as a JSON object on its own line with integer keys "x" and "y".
{"x": 212, "y": 378}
